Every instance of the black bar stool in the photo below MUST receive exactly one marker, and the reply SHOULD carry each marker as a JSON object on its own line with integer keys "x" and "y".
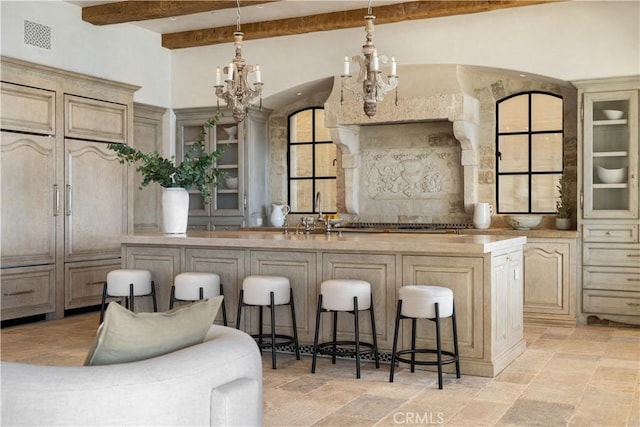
{"x": 127, "y": 284}
{"x": 269, "y": 291}
{"x": 432, "y": 303}
{"x": 194, "y": 286}
{"x": 351, "y": 296}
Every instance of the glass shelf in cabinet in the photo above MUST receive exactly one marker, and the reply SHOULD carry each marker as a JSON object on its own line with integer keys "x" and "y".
{"x": 609, "y": 122}
{"x": 601, "y": 186}
{"x": 610, "y": 154}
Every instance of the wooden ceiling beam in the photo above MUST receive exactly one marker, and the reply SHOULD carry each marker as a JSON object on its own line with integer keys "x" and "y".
{"x": 337, "y": 20}
{"x": 131, "y": 11}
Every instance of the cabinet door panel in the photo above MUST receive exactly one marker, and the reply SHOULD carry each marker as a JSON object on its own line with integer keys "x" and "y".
{"x": 95, "y": 201}
{"x": 147, "y": 201}
{"x": 30, "y": 199}
{"x": 229, "y": 265}
{"x": 460, "y": 275}
{"x": 95, "y": 120}
{"x": 27, "y": 109}
{"x": 547, "y": 275}
{"x": 380, "y": 272}
{"x": 300, "y": 268}
{"x": 163, "y": 263}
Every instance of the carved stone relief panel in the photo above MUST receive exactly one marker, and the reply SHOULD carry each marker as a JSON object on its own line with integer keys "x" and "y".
{"x": 411, "y": 172}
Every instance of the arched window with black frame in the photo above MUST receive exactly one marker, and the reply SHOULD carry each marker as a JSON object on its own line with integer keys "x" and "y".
{"x": 311, "y": 159}
{"x": 529, "y": 152}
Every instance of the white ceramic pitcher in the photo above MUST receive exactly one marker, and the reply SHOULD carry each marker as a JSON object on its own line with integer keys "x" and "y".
{"x": 482, "y": 215}
{"x": 279, "y": 213}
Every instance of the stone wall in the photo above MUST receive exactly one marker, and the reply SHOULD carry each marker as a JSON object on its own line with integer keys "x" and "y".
{"x": 422, "y": 162}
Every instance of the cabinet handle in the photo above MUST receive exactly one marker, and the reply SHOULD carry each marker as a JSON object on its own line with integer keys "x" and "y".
{"x": 68, "y": 201}
{"x": 56, "y": 200}
{"x": 608, "y": 233}
{"x": 633, "y": 255}
{"x": 12, "y": 294}
{"x": 634, "y": 304}
{"x": 633, "y": 279}
{"x": 101, "y": 282}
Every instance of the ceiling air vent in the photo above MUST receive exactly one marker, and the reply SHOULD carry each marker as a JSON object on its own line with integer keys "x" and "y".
{"x": 37, "y": 34}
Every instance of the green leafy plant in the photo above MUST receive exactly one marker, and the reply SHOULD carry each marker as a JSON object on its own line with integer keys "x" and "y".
{"x": 197, "y": 169}
{"x": 564, "y": 208}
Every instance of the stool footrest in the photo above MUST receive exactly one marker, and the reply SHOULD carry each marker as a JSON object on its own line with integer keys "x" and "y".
{"x": 452, "y": 357}
{"x": 327, "y": 348}
{"x": 267, "y": 344}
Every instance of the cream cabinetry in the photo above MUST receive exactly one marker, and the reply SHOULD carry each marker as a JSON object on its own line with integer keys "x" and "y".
{"x": 148, "y": 137}
{"x": 230, "y": 265}
{"x": 244, "y": 150}
{"x": 64, "y": 195}
{"x": 484, "y": 274}
{"x": 301, "y": 269}
{"x": 550, "y": 281}
{"x": 609, "y": 211}
{"x": 462, "y": 275}
{"x": 380, "y": 271}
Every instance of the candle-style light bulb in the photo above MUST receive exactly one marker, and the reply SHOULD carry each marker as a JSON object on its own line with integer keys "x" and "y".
{"x": 394, "y": 69}
{"x": 217, "y": 76}
{"x": 345, "y": 67}
{"x": 376, "y": 64}
{"x": 230, "y": 72}
{"x": 258, "y": 74}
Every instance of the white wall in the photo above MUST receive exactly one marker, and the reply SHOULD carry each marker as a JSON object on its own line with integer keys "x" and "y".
{"x": 123, "y": 53}
{"x": 566, "y": 40}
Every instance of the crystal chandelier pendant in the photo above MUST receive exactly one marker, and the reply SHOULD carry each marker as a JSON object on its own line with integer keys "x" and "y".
{"x": 238, "y": 93}
{"x": 373, "y": 87}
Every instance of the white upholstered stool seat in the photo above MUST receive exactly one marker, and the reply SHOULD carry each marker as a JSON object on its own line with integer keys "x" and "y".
{"x": 350, "y": 296}
{"x": 257, "y": 290}
{"x": 128, "y": 283}
{"x": 337, "y": 295}
{"x": 419, "y": 301}
{"x": 194, "y": 286}
{"x": 425, "y": 302}
{"x": 269, "y": 291}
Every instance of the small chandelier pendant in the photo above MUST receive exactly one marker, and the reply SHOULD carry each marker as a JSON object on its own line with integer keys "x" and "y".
{"x": 238, "y": 93}
{"x": 373, "y": 87}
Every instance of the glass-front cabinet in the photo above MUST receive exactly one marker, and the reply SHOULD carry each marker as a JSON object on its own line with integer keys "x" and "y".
{"x": 608, "y": 215}
{"x": 610, "y": 169}
{"x": 225, "y": 135}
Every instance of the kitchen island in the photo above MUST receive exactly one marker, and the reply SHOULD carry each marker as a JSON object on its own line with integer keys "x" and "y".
{"x": 484, "y": 272}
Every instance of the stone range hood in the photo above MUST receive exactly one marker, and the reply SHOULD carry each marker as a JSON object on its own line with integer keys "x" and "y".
{"x": 426, "y": 93}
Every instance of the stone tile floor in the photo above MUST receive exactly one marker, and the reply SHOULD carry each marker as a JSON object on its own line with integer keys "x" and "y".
{"x": 583, "y": 376}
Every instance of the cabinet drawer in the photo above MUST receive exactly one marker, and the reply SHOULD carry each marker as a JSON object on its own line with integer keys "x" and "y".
{"x": 27, "y": 291}
{"x": 611, "y": 302}
{"x": 27, "y": 109}
{"x": 621, "y": 233}
{"x": 622, "y": 255}
{"x": 95, "y": 120}
{"x": 607, "y": 278}
{"x": 84, "y": 282}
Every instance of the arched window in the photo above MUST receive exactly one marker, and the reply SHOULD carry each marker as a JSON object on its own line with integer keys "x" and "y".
{"x": 311, "y": 157}
{"x": 529, "y": 152}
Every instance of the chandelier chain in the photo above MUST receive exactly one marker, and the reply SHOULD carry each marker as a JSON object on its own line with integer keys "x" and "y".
{"x": 238, "y": 15}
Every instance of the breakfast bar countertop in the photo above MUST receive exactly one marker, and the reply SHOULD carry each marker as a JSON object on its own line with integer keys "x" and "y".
{"x": 449, "y": 243}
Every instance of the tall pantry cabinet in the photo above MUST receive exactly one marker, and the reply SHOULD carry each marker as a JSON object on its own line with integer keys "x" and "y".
{"x": 609, "y": 217}
{"x": 64, "y": 195}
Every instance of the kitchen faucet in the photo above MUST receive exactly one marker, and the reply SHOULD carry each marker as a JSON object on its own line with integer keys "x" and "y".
{"x": 318, "y": 206}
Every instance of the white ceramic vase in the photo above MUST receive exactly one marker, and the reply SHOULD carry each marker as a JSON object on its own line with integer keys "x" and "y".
{"x": 175, "y": 210}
